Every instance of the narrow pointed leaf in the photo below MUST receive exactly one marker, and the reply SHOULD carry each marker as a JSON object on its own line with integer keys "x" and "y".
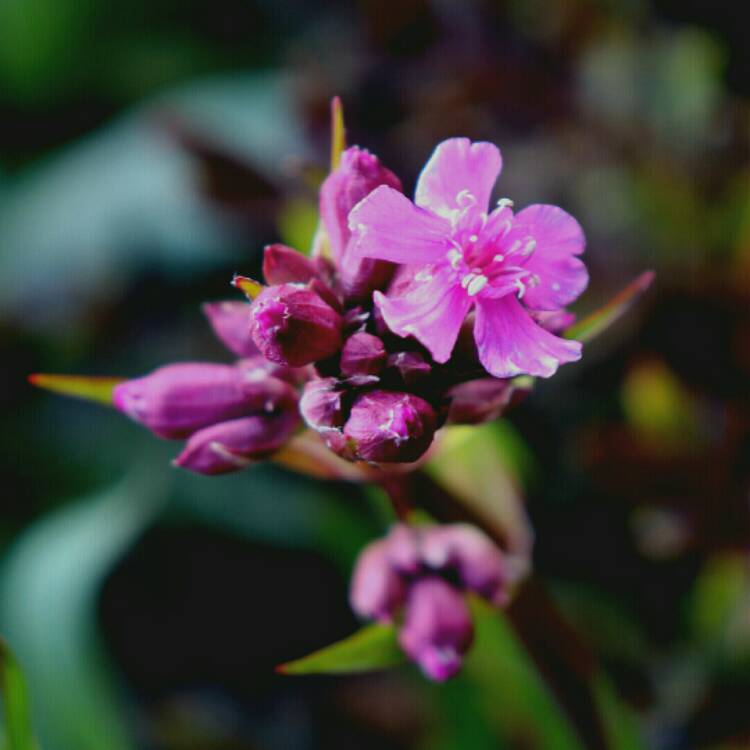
{"x": 338, "y": 132}
{"x": 88, "y": 387}
{"x": 15, "y": 703}
{"x": 372, "y": 647}
{"x": 595, "y": 324}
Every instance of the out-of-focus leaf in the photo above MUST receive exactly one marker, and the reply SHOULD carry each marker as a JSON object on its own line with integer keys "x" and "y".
{"x": 90, "y": 388}
{"x": 338, "y": 132}
{"x": 515, "y": 699}
{"x": 481, "y": 466}
{"x": 595, "y": 324}
{"x": 298, "y": 223}
{"x": 658, "y": 406}
{"x": 719, "y": 589}
{"x": 48, "y": 588}
{"x": 75, "y": 228}
{"x": 372, "y": 647}
{"x": 620, "y": 727}
{"x": 15, "y": 703}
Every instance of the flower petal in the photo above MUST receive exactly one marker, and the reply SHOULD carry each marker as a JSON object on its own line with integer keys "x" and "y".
{"x": 559, "y": 239}
{"x": 510, "y": 343}
{"x": 458, "y": 165}
{"x": 431, "y": 308}
{"x": 388, "y": 226}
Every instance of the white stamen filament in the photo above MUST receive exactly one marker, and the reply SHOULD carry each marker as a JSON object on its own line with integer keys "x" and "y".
{"x": 504, "y": 203}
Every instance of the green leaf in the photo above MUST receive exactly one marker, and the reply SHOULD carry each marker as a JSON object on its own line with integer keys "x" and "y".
{"x": 18, "y": 733}
{"x": 49, "y": 585}
{"x": 599, "y": 321}
{"x": 372, "y": 647}
{"x": 516, "y": 700}
{"x": 482, "y": 467}
{"x": 90, "y": 388}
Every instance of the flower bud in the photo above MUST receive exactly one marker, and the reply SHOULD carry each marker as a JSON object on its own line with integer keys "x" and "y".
{"x": 293, "y": 326}
{"x": 479, "y": 562}
{"x": 231, "y": 324}
{"x": 282, "y": 265}
{"x": 258, "y": 368}
{"x": 437, "y": 628}
{"x": 411, "y": 366}
{"x": 387, "y": 426}
{"x": 321, "y": 405}
{"x": 377, "y": 590}
{"x": 363, "y": 354}
{"x": 481, "y": 400}
{"x": 358, "y": 174}
{"x": 176, "y": 400}
{"x": 403, "y": 549}
{"x": 233, "y": 445}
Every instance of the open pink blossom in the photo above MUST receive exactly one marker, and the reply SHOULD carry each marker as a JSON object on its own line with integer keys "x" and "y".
{"x": 501, "y": 264}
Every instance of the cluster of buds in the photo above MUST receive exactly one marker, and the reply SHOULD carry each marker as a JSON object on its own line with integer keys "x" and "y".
{"x": 407, "y": 315}
{"x": 230, "y": 414}
{"x": 419, "y": 578}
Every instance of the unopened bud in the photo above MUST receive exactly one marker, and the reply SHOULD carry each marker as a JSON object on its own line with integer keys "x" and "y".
{"x": 176, "y": 400}
{"x": 283, "y": 265}
{"x": 388, "y": 426}
{"x": 478, "y": 561}
{"x": 363, "y": 354}
{"x": 411, "y": 366}
{"x": 231, "y": 324}
{"x": 233, "y": 445}
{"x": 377, "y": 590}
{"x": 481, "y": 400}
{"x": 357, "y": 175}
{"x": 321, "y": 405}
{"x": 293, "y": 326}
{"x": 437, "y": 629}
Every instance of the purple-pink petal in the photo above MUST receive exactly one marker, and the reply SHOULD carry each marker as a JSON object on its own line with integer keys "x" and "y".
{"x": 437, "y": 628}
{"x": 559, "y": 239}
{"x": 458, "y": 166}
{"x": 377, "y": 590}
{"x": 431, "y": 308}
{"x": 388, "y": 226}
{"x": 510, "y": 343}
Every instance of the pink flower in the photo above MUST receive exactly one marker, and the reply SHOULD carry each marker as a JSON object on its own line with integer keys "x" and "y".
{"x": 503, "y": 265}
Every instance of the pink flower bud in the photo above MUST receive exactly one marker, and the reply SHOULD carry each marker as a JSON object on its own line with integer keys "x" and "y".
{"x": 282, "y": 265}
{"x": 388, "y": 426}
{"x": 377, "y": 590}
{"x": 411, "y": 366}
{"x": 321, "y": 405}
{"x": 403, "y": 549}
{"x": 293, "y": 326}
{"x": 258, "y": 368}
{"x": 481, "y": 400}
{"x": 230, "y": 446}
{"x": 437, "y": 629}
{"x": 231, "y": 324}
{"x": 176, "y": 400}
{"x": 358, "y": 174}
{"x": 363, "y": 354}
{"x": 479, "y": 562}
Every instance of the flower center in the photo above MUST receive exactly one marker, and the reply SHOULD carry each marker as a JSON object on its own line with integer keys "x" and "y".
{"x": 488, "y": 252}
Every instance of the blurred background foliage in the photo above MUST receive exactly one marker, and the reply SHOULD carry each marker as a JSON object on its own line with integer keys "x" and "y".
{"x": 149, "y": 149}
